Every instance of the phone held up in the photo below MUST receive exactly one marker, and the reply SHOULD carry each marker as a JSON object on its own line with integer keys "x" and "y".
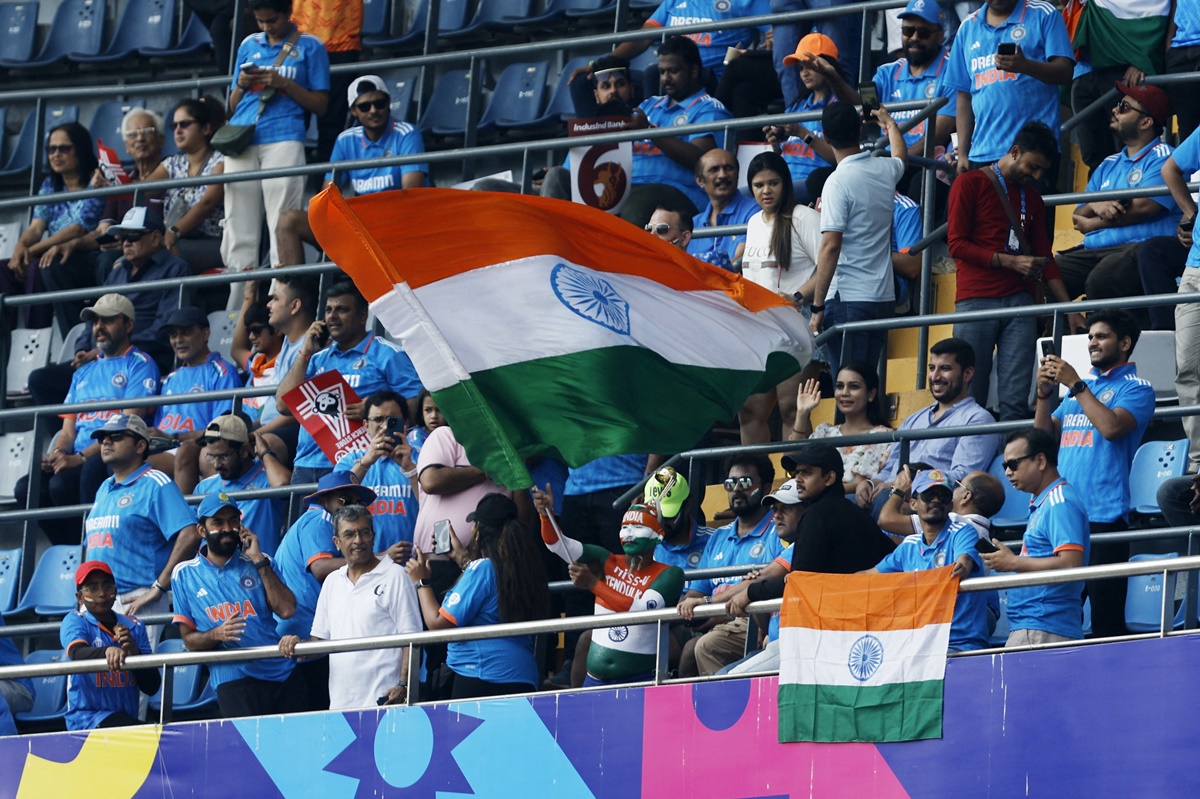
{"x": 441, "y": 537}
{"x": 1047, "y": 346}
{"x": 870, "y": 99}
{"x": 1007, "y": 48}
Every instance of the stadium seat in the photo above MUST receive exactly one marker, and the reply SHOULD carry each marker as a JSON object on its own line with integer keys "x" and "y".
{"x": 143, "y": 23}
{"x": 194, "y": 39}
{"x": 446, "y": 114}
{"x": 1154, "y": 463}
{"x": 9, "y": 234}
{"x": 517, "y": 99}
{"x": 29, "y": 350}
{"x": 21, "y": 158}
{"x": 401, "y": 85}
{"x": 10, "y": 576}
{"x": 1144, "y": 597}
{"x": 578, "y": 9}
{"x": 51, "y": 590}
{"x": 77, "y": 30}
{"x": 18, "y": 28}
{"x": 189, "y": 690}
{"x": 16, "y": 454}
{"x": 999, "y": 636}
{"x": 452, "y": 15}
{"x": 220, "y": 336}
{"x": 1015, "y": 512}
{"x": 49, "y": 692}
{"x": 561, "y": 107}
{"x": 376, "y": 18}
{"x": 106, "y": 125}
{"x": 67, "y": 353}
{"x": 494, "y": 15}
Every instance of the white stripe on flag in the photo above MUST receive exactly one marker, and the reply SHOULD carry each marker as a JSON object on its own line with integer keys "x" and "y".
{"x": 824, "y": 657}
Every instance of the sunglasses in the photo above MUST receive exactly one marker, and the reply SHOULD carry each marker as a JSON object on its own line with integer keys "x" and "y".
{"x": 1124, "y": 106}
{"x": 132, "y": 238}
{"x": 1012, "y": 464}
{"x": 738, "y": 483}
{"x": 378, "y": 105}
{"x": 258, "y": 330}
{"x": 913, "y": 32}
{"x": 115, "y": 437}
{"x": 661, "y": 229}
{"x": 140, "y": 132}
{"x": 182, "y": 124}
{"x": 934, "y": 493}
{"x": 52, "y": 149}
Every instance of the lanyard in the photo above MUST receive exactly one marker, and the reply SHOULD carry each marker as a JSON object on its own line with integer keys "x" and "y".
{"x": 1004, "y": 186}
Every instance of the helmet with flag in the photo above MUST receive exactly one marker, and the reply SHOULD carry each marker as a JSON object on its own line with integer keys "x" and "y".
{"x": 666, "y": 491}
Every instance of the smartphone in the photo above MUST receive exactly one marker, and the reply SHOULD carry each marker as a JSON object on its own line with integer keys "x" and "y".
{"x": 1047, "y": 346}
{"x": 250, "y": 66}
{"x": 870, "y": 99}
{"x": 323, "y": 336}
{"x": 954, "y": 141}
{"x": 441, "y": 537}
{"x": 395, "y": 429}
{"x": 1007, "y": 48}
{"x": 984, "y": 545}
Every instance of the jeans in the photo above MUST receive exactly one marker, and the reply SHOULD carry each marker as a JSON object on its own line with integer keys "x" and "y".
{"x": 861, "y": 346}
{"x": 1187, "y": 361}
{"x": 1102, "y": 273}
{"x": 1013, "y": 341}
{"x": 1160, "y": 262}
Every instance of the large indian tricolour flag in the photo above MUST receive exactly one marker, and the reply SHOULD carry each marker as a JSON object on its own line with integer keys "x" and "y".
{"x": 1114, "y": 33}
{"x": 863, "y": 656}
{"x": 544, "y": 327}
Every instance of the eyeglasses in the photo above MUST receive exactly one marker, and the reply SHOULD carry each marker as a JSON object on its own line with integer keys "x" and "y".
{"x": 144, "y": 133}
{"x": 738, "y": 483}
{"x": 107, "y": 587}
{"x": 51, "y": 149}
{"x": 1124, "y": 106}
{"x": 932, "y": 494}
{"x": 132, "y": 238}
{"x": 120, "y": 435}
{"x": 381, "y": 419}
{"x": 661, "y": 229}
{"x": 212, "y": 458}
{"x": 182, "y": 124}
{"x": 1012, "y": 464}
{"x": 378, "y": 105}
{"x": 913, "y": 32}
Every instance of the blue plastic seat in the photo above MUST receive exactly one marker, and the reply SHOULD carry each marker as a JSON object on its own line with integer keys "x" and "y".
{"x": 143, "y": 23}
{"x": 401, "y": 87}
{"x": 18, "y": 28}
{"x": 194, "y": 39}
{"x": 1154, "y": 463}
{"x": 77, "y": 30}
{"x": 21, "y": 158}
{"x": 999, "y": 636}
{"x": 49, "y": 693}
{"x": 561, "y": 107}
{"x": 1015, "y": 511}
{"x": 517, "y": 99}
{"x": 10, "y": 576}
{"x": 494, "y": 15}
{"x": 190, "y": 688}
{"x": 51, "y": 590}
{"x": 1144, "y": 596}
{"x": 376, "y": 17}
{"x": 106, "y": 125}
{"x": 578, "y": 9}
{"x": 452, "y": 15}
{"x": 446, "y": 113}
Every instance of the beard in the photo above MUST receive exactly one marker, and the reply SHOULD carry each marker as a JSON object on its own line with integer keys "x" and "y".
{"x": 223, "y": 545}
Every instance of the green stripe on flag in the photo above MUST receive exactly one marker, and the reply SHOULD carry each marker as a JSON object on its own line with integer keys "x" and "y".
{"x": 897, "y": 712}
{"x": 618, "y": 400}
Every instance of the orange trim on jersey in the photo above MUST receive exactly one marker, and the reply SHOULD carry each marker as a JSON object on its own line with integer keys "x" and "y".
{"x": 73, "y": 644}
{"x": 1069, "y": 548}
{"x": 316, "y": 557}
{"x": 445, "y": 614}
{"x": 181, "y": 619}
{"x": 786, "y": 564}
{"x": 651, "y": 23}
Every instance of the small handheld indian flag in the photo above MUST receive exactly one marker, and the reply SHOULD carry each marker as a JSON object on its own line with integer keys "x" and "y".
{"x": 863, "y": 656}
{"x": 543, "y": 327}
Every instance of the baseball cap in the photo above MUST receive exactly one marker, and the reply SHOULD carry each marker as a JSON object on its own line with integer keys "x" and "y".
{"x": 1152, "y": 98}
{"x": 229, "y": 428}
{"x": 122, "y": 422}
{"x": 214, "y": 502}
{"x": 670, "y": 502}
{"x": 922, "y": 9}
{"x": 187, "y": 316}
{"x": 932, "y": 479}
{"x": 610, "y": 63}
{"x": 494, "y": 509}
{"x": 786, "y": 494}
{"x": 363, "y": 85}
{"x": 139, "y": 220}
{"x": 89, "y": 566}
{"x": 107, "y": 306}
{"x": 812, "y": 45}
{"x": 339, "y": 481}
{"x": 823, "y": 456}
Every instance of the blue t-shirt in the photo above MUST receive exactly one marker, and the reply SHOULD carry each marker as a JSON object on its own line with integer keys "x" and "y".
{"x": 712, "y": 45}
{"x": 399, "y": 138}
{"x": 1187, "y": 24}
{"x": 474, "y": 602}
{"x": 968, "y": 628}
{"x": 738, "y": 212}
{"x": 1005, "y": 101}
{"x": 371, "y": 365}
{"x": 652, "y": 165}
{"x": 896, "y": 84}
{"x": 906, "y": 223}
{"x": 61, "y": 215}
{"x": 215, "y": 374}
{"x": 1121, "y": 171}
{"x": 685, "y": 556}
{"x": 94, "y": 696}
{"x": 1058, "y": 522}
{"x": 802, "y": 160}
{"x": 1096, "y": 467}
{"x": 263, "y": 517}
{"x": 394, "y": 511}
{"x": 726, "y": 548}
{"x": 282, "y": 119}
{"x": 1187, "y": 158}
{"x": 205, "y": 595}
{"x": 611, "y": 471}
{"x": 416, "y": 439}
{"x": 133, "y": 374}
{"x": 310, "y": 539}
{"x": 283, "y": 362}
{"x": 132, "y": 523}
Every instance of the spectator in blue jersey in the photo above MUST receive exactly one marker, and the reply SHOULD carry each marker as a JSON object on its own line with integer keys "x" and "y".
{"x": 844, "y": 30}
{"x": 387, "y": 468}
{"x": 305, "y": 558}
{"x": 242, "y": 463}
{"x": 140, "y": 523}
{"x": 1056, "y": 537}
{"x": 368, "y": 364}
{"x": 291, "y": 309}
{"x": 224, "y": 598}
{"x": 277, "y": 100}
{"x": 717, "y": 175}
{"x": 16, "y": 695}
{"x": 377, "y": 135}
{"x": 200, "y": 369}
{"x": 1183, "y": 55}
{"x": 255, "y": 348}
{"x": 1176, "y": 172}
{"x": 998, "y": 93}
{"x": 942, "y": 541}
{"x": 749, "y": 539}
{"x": 664, "y": 169}
{"x": 72, "y": 471}
{"x": 1099, "y": 427}
{"x": 100, "y": 699}
{"x": 503, "y": 582}
{"x": 1105, "y": 265}
{"x": 802, "y": 144}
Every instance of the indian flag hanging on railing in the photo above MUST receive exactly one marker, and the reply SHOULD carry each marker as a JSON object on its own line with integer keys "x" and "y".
{"x": 863, "y": 656}
{"x": 547, "y": 327}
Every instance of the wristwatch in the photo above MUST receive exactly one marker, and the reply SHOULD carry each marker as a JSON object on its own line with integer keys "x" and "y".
{"x": 175, "y": 230}
{"x": 1079, "y": 386}
{"x": 809, "y": 139}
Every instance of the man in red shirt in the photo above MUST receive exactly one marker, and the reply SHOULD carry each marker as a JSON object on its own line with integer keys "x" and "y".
{"x": 999, "y": 267}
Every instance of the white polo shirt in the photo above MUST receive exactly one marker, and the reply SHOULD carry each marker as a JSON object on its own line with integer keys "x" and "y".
{"x": 382, "y": 602}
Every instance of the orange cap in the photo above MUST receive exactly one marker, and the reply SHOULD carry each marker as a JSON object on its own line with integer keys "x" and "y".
{"x": 811, "y": 46}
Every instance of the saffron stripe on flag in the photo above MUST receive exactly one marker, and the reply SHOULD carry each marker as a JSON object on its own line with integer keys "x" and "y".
{"x": 897, "y": 712}
{"x": 859, "y": 602}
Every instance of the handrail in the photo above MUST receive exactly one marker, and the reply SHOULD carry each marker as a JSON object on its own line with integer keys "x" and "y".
{"x": 1099, "y": 103}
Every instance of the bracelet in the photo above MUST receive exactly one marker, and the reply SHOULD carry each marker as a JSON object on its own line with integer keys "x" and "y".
{"x": 156, "y": 584}
{"x": 267, "y": 452}
{"x": 1045, "y": 396}
{"x": 424, "y": 584}
{"x": 409, "y": 473}
{"x": 262, "y": 564}
{"x": 817, "y": 308}
{"x": 897, "y": 493}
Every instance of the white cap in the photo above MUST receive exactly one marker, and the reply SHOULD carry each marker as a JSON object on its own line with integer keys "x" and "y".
{"x": 788, "y": 494}
{"x": 376, "y": 84}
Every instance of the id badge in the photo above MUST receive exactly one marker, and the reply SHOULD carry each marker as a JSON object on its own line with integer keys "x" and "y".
{"x": 1014, "y": 244}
